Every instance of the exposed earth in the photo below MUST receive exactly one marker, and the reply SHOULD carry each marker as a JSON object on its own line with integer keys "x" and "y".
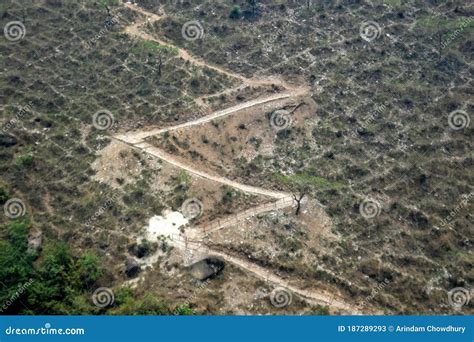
{"x": 237, "y": 157}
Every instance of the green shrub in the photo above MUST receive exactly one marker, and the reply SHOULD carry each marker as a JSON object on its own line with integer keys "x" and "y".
{"x": 50, "y": 286}
{"x": 3, "y": 195}
{"x": 320, "y": 311}
{"x": 25, "y": 161}
{"x": 183, "y": 178}
{"x": 235, "y": 12}
{"x": 88, "y": 269}
{"x": 149, "y": 305}
{"x": 184, "y": 310}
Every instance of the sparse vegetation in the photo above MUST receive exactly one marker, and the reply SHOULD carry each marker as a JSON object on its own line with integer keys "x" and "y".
{"x": 374, "y": 127}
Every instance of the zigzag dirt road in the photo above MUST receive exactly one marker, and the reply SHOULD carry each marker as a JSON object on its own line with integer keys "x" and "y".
{"x": 136, "y": 140}
{"x": 139, "y": 136}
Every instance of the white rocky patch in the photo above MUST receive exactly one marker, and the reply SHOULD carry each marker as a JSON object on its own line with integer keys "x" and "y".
{"x": 167, "y": 225}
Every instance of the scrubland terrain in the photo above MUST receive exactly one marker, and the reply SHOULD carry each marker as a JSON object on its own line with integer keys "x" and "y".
{"x": 236, "y": 157}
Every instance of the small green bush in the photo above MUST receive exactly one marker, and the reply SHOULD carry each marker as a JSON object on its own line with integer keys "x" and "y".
{"x": 25, "y": 161}
{"x": 235, "y": 12}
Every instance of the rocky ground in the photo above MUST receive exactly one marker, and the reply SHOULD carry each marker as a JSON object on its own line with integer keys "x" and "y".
{"x": 380, "y": 107}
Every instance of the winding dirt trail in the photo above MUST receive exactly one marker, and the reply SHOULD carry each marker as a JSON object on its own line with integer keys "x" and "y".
{"x": 135, "y": 31}
{"x": 195, "y": 240}
{"x": 139, "y": 136}
{"x": 313, "y": 296}
{"x": 242, "y": 187}
{"x": 316, "y": 297}
{"x": 233, "y": 220}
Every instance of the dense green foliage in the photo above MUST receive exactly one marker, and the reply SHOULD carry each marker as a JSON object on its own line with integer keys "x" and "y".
{"x": 52, "y": 281}
{"x": 56, "y": 282}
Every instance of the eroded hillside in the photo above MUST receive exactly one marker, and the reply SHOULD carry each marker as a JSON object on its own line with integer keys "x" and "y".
{"x": 316, "y": 155}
